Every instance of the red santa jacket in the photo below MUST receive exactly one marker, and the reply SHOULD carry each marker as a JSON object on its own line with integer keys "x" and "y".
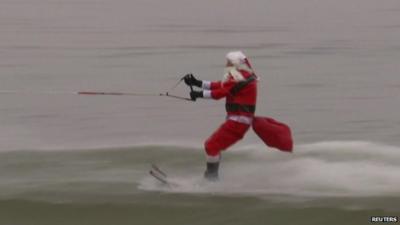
{"x": 239, "y": 100}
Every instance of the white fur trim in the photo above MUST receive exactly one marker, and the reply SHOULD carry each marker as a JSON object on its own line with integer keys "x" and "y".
{"x": 241, "y": 119}
{"x": 206, "y": 85}
{"x": 207, "y": 94}
{"x": 213, "y": 159}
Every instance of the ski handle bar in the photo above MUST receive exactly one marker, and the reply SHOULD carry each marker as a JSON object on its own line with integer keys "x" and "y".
{"x": 178, "y": 97}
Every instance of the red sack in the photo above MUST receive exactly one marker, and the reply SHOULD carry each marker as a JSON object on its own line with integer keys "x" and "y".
{"x": 273, "y": 133}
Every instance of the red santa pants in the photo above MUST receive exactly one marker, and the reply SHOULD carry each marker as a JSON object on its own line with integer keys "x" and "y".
{"x": 225, "y": 136}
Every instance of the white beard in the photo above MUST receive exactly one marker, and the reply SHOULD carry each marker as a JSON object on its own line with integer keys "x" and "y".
{"x": 232, "y": 72}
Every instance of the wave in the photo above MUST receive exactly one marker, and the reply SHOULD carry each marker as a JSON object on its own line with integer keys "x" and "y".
{"x": 356, "y": 169}
{"x": 323, "y": 169}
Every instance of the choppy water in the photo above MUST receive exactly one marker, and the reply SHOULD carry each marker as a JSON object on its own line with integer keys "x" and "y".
{"x": 328, "y": 68}
{"x": 339, "y": 179}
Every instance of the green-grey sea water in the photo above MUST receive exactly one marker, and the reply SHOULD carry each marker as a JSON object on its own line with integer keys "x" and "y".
{"x": 258, "y": 186}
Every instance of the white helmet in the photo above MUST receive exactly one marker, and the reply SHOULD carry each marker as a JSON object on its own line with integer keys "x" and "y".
{"x": 236, "y": 58}
{"x": 239, "y": 62}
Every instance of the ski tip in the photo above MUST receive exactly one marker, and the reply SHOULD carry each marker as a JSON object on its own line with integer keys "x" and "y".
{"x": 163, "y": 180}
{"x": 156, "y": 169}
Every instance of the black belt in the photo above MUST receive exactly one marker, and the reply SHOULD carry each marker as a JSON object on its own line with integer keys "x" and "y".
{"x": 234, "y": 107}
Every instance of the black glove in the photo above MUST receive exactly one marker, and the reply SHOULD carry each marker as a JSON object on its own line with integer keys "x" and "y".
{"x": 190, "y": 80}
{"x": 196, "y": 94}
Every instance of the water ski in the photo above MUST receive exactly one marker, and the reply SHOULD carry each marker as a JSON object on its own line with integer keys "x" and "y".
{"x": 160, "y": 175}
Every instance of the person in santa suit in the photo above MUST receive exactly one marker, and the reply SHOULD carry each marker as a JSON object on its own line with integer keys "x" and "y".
{"x": 239, "y": 87}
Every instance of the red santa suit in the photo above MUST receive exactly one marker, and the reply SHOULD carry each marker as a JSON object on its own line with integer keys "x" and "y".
{"x": 239, "y": 87}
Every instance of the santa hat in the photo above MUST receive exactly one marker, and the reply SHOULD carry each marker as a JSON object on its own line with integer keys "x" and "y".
{"x": 239, "y": 60}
